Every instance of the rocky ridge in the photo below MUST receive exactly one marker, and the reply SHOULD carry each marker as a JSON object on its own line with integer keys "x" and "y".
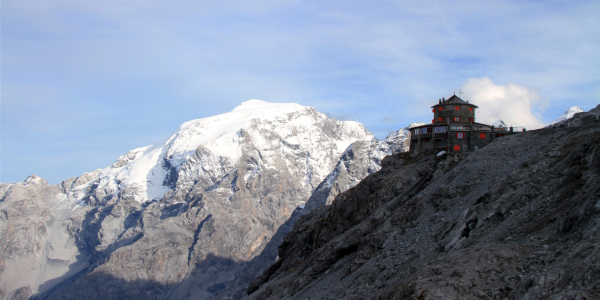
{"x": 518, "y": 219}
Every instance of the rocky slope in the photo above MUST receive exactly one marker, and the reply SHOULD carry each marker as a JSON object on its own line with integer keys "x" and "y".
{"x": 360, "y": 159}
{"x": 35, "y": 248}
{"x": 518, "y": 219}
{"x": 191, "y": 216}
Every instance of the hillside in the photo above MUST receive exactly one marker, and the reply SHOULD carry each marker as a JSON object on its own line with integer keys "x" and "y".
{"x": 518, "y": 219}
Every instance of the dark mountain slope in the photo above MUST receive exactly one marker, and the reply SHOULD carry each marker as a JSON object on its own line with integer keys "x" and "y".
{"x": 518, "y": 219}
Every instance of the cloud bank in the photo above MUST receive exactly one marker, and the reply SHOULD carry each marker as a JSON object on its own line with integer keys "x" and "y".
{"x": 514, "y": 104}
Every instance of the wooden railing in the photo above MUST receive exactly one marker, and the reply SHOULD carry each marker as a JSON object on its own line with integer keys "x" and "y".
{"x": 459, "y": 128}
{"x": 421, "y": 135}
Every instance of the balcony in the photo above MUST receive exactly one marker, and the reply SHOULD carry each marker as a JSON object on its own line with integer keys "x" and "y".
{"x": 482, "y": 128}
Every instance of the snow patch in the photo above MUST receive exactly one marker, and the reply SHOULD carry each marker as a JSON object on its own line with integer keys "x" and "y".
{"x": 416, "y": 124}
{"x": 567, "y": 114}
{"x": 499, "y": 124}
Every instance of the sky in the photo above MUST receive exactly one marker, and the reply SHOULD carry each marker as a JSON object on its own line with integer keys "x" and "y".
{"x": 83, "y": 82}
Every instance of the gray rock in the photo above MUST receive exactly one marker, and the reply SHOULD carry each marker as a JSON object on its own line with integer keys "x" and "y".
{"x": 36, "y": 247}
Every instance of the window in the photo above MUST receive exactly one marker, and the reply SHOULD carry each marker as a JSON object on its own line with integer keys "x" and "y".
{"x": 460, "y": 135}
{"x": 482, "y": 136}
{"x": 433, "y": 110}
{"x": 470, "y": 109}
{"x": 456, "y": 119}
{"x": 456, "y": 148}
{"x": 440, "y": 108}
{"x": 471, "y": 120}
{"x": 432, "y": 120}
{"x": 440, "y": 119}
{"x": 457, "y": 108}
{"x": 440, "y": 129}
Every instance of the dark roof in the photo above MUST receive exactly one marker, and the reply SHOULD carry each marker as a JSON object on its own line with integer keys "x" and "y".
{"x": 456, "y": 100}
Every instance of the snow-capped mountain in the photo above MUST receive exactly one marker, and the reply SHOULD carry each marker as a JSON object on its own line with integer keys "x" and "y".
{"x": 567, "y": 115}
{"x": 273, "y": 130}
{"x": 416, "y": 124}
{"x": 499, "y": 124}
{"x": 185, "y": 215}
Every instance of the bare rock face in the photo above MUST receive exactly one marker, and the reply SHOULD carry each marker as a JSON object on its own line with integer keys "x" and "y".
{"x": 360, "y": 159}
{"x": 36, "y": 246}
{"x": 517, "y": 219}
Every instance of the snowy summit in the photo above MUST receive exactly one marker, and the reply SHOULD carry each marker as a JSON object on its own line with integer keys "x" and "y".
{"x": 568, "y": 114}
{"x": 499, "y": 124}
{"x": 147, "y": 173}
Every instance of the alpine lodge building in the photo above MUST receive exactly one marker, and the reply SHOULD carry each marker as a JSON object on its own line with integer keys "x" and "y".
{"x": 454, "y": 130}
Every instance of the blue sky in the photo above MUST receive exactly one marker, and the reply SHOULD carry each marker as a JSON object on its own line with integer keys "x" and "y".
{"x": 83, "y": 82}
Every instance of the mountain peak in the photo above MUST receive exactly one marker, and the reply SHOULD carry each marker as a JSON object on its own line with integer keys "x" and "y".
{"x": 276, "y": 131}
{"x": 255, "y": 104}
{"x": 33, "y": 179}
{"x": 568, "y": 114}
{"x": 499, "y": 124}
{"x": 416, "y": 124}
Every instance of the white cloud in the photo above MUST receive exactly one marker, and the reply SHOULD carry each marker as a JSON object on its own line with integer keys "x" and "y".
{"x": 514, "y": 104}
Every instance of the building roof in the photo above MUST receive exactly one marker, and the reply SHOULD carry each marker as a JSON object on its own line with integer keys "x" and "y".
{"x": 455, "y": 100}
